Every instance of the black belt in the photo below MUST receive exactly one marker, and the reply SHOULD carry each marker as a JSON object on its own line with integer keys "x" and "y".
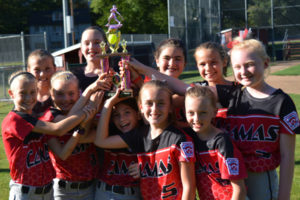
{"x": 38, "y": 190}
{"x": 116, "y": 188}
{"x": 75, "y": 185}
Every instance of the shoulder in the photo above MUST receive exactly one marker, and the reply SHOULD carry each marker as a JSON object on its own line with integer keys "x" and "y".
{"x": 222, "y": 142}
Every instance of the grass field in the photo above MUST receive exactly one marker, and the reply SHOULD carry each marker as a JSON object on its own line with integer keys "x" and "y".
{"x": 189, "y": 77}
{"x": 291, "y": 71}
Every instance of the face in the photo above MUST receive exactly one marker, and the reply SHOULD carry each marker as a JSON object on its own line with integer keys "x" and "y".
{"x": 210, "y": 65}
{"x": 24, "y": 95}
{"x": 124, "y": 117}
{"x": 248, "y": 67}
{"x": 171, "y": 61}
{"x": 199, "y": 113}
{"x": 90, "y": 45}
{"x": 64, "y": 94}
{"x": 42, "y": 69}
{"x": 155, "y": 106}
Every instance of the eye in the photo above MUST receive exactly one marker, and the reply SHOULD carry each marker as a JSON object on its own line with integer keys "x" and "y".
{"x": 201, "y": 64}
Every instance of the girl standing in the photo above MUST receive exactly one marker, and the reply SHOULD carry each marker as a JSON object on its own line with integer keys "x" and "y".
{"x": 220, "y": 168}
{"x": 165, "y": 154}
{"x": 41, "y": 64}
{"x": 114, "y": 178}
{"x": 25, "y": 143}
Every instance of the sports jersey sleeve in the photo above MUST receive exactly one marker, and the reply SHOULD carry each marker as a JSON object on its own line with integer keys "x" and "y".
{"x": 19, "y": 125}
{"x": 289, "y": 117}
{"x": 231, "y": 163}
{"x": 185, "y": 151}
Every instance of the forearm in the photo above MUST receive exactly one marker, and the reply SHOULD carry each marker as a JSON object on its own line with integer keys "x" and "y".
{"x": 187, "y": 173}
{"x": 69, "y": 146}
{"x": 238, "y": 190}
{"x": 103, "y": 125}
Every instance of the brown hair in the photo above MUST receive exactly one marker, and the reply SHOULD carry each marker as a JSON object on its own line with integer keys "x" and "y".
{"x": 41, "y": 54}
{"x": 215, "y": 47}
{"x": 200, "y": 91}
{"x": 96, "y": 28}
{"x": 171, "y": 42}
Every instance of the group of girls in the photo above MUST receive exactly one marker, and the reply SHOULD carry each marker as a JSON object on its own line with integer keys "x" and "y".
{"x": 153, "y": 148}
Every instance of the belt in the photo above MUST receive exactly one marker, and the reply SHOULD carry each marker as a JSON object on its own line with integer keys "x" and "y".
{"x": 118, "y": 189}
{"x": 75, "y": 185}
{"x": 38, "y": 190}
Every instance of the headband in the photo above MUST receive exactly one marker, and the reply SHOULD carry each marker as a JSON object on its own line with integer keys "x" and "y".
{"x": 19, "y": 74}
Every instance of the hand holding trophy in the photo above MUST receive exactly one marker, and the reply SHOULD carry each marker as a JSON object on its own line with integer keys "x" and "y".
{"x": 114, "y": 36}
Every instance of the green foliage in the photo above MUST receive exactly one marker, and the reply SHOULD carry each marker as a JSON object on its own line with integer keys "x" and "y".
{"x": 291, "y": 71}
{"x": 139, "y": 16}
{"x": 259, "y": 13}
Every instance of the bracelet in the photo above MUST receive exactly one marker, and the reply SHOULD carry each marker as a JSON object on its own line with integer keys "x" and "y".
{"x": 137, "y": 80}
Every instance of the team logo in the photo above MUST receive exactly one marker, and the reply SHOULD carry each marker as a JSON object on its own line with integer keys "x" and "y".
{"x": 188, "y": 149}
{"x": 233, "y": 166}
{"x": 292, "y": 120}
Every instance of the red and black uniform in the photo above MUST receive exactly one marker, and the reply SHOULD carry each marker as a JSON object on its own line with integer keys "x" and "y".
{"x": 256, "y": 124}
{"x": 218, "y": 162}
{"x": 114, "y": 170}
{"x": 40, "y": 107}
{"x": 26, "y": 151}
{"x": 158, "y": 160}
{"x": 80, "y": 165}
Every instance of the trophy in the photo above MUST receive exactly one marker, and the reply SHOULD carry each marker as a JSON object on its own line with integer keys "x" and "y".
{"x": 113, "y": 35}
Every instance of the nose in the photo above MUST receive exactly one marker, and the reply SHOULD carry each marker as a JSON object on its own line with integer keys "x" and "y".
{"x": 42, "y": 73}
{"x": 154, "y": 107}
{"x": 171, "y": 62}
{"x": 243, "y": 69}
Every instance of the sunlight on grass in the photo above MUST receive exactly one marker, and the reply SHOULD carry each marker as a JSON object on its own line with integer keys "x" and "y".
{"x": 291, "y": 71}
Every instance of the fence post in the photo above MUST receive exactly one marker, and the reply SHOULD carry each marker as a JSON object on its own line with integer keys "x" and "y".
{"x": 23, "y": 50}
{"x": 45, "y": 40}
{"x": 3, "y": 84}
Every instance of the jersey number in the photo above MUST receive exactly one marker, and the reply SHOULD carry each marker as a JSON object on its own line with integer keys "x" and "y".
{"x": 169, "y": 189}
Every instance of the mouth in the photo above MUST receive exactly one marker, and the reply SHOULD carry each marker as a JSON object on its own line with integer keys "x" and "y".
{"x": 172, "y": 69}
{"x": 123, "y": 126}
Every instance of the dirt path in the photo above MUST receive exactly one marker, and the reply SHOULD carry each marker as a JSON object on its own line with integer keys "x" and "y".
{"x": 289, "y": 84}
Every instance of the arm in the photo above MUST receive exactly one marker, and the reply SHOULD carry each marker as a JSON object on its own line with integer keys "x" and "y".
{"x": 187, "y": 173}
{"x": 103, "y": 140}
{"x": 65, "y": 125}
{"x": 65, "y": 150}
{"x": 175, "y": 84}
{"x": 287, "y": 153}
{"x": 238, "y": 189}
{"x": 102, "y": 83}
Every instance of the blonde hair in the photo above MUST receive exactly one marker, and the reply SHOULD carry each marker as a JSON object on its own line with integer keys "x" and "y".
{"x": 200, "y": 91}
{"x": 20, "y": 74}
{"x": 64, "y": 76}
{"x": 254, "y": 46}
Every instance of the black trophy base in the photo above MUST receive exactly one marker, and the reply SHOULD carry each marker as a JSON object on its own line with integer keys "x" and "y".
{"x": 124, "y": 93}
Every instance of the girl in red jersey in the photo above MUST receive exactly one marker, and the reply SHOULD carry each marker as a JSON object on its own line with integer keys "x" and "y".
{"x": 165, "y": 153}
{"x": 114, "y": 178}
{"x": 263, "y": 120}
{"x": 220, "y": 168}
{"x": 25, "y": 145}
{"x": 76, "y": 170}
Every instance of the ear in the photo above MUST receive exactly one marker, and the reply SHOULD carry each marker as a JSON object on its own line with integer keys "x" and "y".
{"x": 266, "y": 63}
{"x": 11, "y": 94}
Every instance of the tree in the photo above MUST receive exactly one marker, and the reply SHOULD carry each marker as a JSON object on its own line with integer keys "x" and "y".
{"x": 140, "y": 16}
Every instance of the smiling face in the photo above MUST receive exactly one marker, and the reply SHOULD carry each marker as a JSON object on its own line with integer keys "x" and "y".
{"x": 248, "y": 67}
{"x": 210, "y": 65}
{"x": 64, "y": 94}
{"x": 90, "y": 44}
{"x": 24, "y": 94}
{"x": 171, "y": 61}
{"x": 124, "y": 117}
{"x": 199, "y": 114}
{"x": 155, "y": 105}
{"x": 42, "y": 68}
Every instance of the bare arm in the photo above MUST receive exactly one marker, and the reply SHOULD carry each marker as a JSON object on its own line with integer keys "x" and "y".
{"x": 175, "y": 84}
{"x": 287, "y": 153}
{"x": 239, "y": 189}
{"x": 187, "y": 173}
{"x": 63, "y": 151}
{"x": 103, "y": 139}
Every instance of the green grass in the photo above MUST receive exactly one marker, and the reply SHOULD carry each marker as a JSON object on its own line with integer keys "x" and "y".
{"x": 291, "y": 71}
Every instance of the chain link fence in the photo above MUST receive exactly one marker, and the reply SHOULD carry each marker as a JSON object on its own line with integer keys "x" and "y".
{"x": 14, "y": 50}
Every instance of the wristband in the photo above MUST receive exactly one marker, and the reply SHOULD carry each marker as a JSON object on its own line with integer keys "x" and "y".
{"x": 137, "y": 80}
